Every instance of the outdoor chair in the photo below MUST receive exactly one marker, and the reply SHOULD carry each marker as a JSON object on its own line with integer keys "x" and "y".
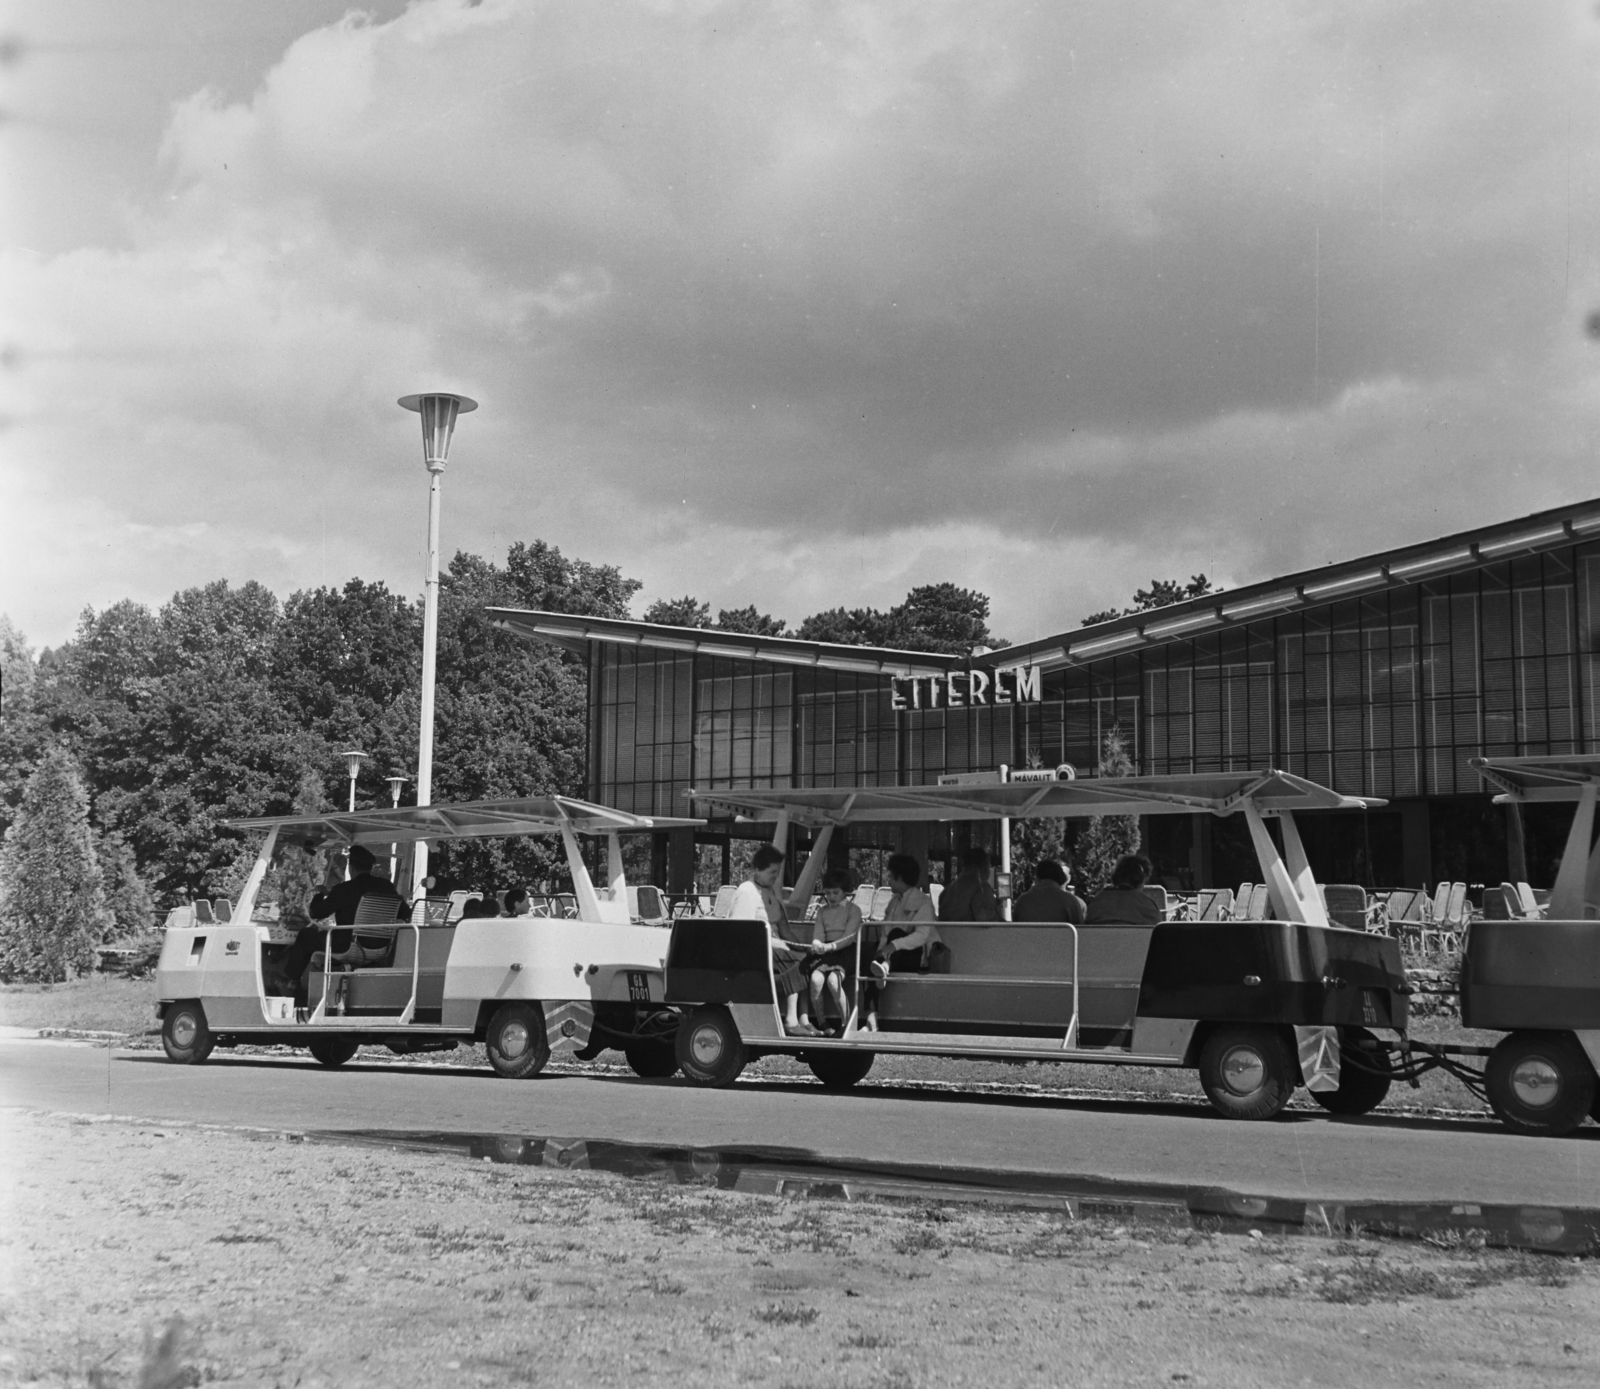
{"x": 1500, "y": 903}
{"x": 1214, "y": 904}
{"x": 1346, "y": 905}
{"x": 1158, "y": 894}
{"x": 202, "y": 913}
{"x": 222, "y": 909}
{"x": 724, "y": 903}
{"x": 862, "y": 897}
{"x": 1531, "y": 907}
{"x": 882, "y": 898}
{"x": 1260, "y": 903}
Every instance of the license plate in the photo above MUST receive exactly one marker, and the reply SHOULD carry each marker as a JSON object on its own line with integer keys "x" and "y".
{"x": 638, "y": 986}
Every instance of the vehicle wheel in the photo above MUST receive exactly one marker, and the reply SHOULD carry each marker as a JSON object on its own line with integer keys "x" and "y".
{"x": 184, "y": 1035}
{"x": 1540, "y": 1082}
{"x": 839, "y": 1070}
{"x": 1360, "y": 1090}
{"x": 652, "y": 1060}
{"x": 516, "y": 1041}
{"x": 334, "y": 1051}
{"x": 710, "y": 1050}
{"x": 1247, "y": 1072}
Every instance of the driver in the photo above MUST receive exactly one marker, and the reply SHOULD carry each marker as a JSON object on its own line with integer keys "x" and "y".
{"x": 341, "y": 899}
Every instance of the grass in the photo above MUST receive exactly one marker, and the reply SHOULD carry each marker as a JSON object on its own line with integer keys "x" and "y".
{"x": 99, "y": 1003}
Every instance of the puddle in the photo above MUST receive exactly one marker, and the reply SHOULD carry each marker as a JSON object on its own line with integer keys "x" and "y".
{"x": 800, "y": 1175}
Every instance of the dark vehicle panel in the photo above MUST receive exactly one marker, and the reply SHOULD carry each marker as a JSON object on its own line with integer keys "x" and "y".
{"x": 1532, "y": 974}
{"x": 714, "y": 960}
{"x": 1304, "y": 975}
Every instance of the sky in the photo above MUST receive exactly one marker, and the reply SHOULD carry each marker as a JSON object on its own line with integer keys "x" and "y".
{"x": 792, "y": 305}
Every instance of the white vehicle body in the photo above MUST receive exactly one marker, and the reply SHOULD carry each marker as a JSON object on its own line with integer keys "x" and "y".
{"x": 440, "y": 982}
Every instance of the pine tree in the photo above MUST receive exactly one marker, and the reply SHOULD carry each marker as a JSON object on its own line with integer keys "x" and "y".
{"x": 52, "y": 903}
{"x": 1106, "y": 838}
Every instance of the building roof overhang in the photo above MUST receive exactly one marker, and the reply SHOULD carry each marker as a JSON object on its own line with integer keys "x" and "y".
{"x": 576, "y": 632}
{"x": 1411, "y": 564}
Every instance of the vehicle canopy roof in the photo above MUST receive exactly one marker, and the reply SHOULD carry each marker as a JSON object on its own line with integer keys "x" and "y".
{"x": 467, "y": 820}
{"x": 1560, "y": 778}
{"x": 1270, "y": 792}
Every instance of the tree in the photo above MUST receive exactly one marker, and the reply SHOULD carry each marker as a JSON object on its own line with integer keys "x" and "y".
{"x": 1106, "y": 838}
{"x": 1162, "y": 593}
{"x": 934, "y": 617}
{"x": 687, "y": 611}
{"x": 750, "y": 621}
{"x": 130, "y": 906}
{"x": 52, "y": 904}
{"x": 850, "y": 627}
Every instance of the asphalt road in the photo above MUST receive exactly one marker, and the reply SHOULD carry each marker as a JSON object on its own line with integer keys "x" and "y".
{"x": 1297, "y": 1156}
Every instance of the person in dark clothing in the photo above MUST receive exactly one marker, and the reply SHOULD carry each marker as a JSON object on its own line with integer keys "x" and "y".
{"x": 1125, "y": 902}
{"x": 341, "y": 899}
{"x": 1049, "y": 899}
{"x": 971, "y": 896}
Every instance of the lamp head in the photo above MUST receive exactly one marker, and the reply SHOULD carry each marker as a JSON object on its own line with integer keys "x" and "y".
{"x": 439, "y": 410}
{"x": 395, "y": 783}
{"x": 353, "y": 760}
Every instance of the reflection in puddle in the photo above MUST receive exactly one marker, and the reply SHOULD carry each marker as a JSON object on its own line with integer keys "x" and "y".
{"x": 795, "y": 1173}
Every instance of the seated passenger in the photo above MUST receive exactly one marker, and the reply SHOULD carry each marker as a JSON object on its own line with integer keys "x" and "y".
{"x": 340, "y": 898}
{"x": 1125, "y": 902}
{"x": 517, "y": 903}
{"x": 971, "y": 896}
{"x": 757, "y": 900}
{"x": 908, "y": 931}
{"x": 832, "y": 958}
{"x": 478, "y": 909}
{"x": 1049, "y": 898}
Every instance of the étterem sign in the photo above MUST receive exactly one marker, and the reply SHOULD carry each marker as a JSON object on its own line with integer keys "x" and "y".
{"x": 965, "y": 689}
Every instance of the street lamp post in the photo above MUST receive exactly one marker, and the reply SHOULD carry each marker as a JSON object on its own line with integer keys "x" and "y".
{"x": 439, "y": 411}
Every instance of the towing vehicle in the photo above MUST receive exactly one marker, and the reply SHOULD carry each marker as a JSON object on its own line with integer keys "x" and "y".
{"x": 1259, "y": 1007}
{"x": 524, "y": 986}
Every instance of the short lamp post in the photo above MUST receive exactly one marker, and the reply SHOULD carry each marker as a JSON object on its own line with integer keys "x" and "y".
{"x": 353, "y": 760}
{"x": 439, "y": 411}
{"x": 395, "y": 783}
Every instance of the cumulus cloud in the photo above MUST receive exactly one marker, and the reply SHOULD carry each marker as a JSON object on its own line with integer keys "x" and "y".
{"x": 802, "y": 305}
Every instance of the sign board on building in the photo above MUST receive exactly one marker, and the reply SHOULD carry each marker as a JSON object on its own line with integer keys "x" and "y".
{"x": 971, "y": 779}
{"x": 1065, "y": 772}
{"x": 966, "y": 689}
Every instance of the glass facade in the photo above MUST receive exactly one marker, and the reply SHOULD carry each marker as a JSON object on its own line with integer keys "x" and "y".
{"x": 1384, "y": 695}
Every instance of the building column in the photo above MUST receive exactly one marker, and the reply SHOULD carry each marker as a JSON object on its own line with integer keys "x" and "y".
{"x": 1200, "y": 850}
{"x": 912, "y": 838}
{"x": 680, "y": 860}
{"x": 1416, "y": 850}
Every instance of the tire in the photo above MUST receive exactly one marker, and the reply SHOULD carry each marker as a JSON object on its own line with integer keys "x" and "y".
{"x": 1540, "y": 1083}
{"x": 516, "y": 1042}
{"x": 1247, "y": 1072}
{"x": 1360, "y": 1091}
{"x": 334, "y": 1051}
{"x": 839, "y": 1070}
{"x": 652, "y": 1060}
{"x": 709, "y": 1049}
{"x": 185, "y": 1037}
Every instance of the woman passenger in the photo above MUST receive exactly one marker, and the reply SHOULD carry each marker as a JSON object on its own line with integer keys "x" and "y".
{"x": 757, "y": 900}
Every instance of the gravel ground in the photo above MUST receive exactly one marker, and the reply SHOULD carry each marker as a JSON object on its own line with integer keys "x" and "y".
{"x": 174, "y": 1255}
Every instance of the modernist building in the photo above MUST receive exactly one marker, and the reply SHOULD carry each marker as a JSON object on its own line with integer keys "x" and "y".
{"x": 1379, "y": 677}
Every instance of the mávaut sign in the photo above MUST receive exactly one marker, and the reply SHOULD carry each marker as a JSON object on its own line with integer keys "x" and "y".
{"x": 965, "y": 689}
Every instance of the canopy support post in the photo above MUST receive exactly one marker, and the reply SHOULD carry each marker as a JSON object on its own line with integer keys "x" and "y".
{"x": 806, "y": 883}
{"x": 616, "y": 873}
{"x": 1566, "y": 897}
{"x": 780, "y": 832}
{"x": 1300, "y": 873}
{"x": 258, "y": 874}
{"x": 1285, "y": 898}
{"x": 582, "y": 883}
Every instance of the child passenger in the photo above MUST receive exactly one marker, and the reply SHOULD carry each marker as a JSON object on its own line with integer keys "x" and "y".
{"x": 837, "y": 925}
